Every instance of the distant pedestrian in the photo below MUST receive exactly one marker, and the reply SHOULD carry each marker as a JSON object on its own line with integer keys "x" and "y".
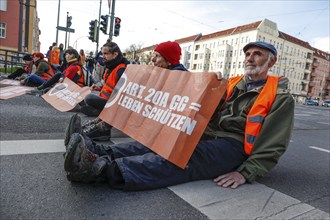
{"x": 90, "y": 62}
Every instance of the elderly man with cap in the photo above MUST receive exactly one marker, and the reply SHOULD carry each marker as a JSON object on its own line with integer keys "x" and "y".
{"x": 43, "y": 73}
{"x": 243, "y": 141}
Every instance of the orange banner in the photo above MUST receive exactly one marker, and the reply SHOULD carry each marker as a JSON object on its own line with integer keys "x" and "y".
{"x": 166, "y": 110}
{"x": 65, "y": 96}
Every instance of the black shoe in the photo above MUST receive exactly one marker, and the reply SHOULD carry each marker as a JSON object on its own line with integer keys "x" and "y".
{"x": 79, "y": 161}
{"x": 89, "y": 123}
{"x": 90, "y": 111}
{"x": 35, "y": 91}
{"x": 74, "y": 126}
{"x": 99, "y": 132}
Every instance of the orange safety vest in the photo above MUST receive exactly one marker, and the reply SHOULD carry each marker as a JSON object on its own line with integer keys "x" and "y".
{"x": 110, "y": 81}
{"x": 259, "y": 110}
{"x": 47, "y": 75}
{"x": 54, "y": 56}
{"x": 81, "y": 80}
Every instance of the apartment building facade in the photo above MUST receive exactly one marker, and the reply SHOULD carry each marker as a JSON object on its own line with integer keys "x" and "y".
{"x": 19, "y": 25}
{"x": 319, "y": 85}
{"x": 223, "y": 51}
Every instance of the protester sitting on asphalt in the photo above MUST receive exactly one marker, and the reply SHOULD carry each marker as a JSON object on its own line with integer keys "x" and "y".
{"x": 115, "y": 65}
{"x": 27, "y": 58}
{"x": 166, "y": 55}
{"x": 43, "y": 73}
{"x": 73, "y": 71}
{"x": 244, "y": 139}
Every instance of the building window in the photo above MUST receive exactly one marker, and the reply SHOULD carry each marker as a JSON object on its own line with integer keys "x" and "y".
{"x": 2, "y": 30}
{"x": 3, "y": 5}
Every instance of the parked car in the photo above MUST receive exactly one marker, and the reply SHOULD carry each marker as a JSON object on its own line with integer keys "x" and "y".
{"x": 311, "y": 102}
{"x": 326, "y": 103}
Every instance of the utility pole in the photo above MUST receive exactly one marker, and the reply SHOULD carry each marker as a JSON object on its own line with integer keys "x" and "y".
{"x": 58, "y": 20}
{"x": 98, "y": 29}
{"x": 112, "y": 18}
{"x": 66, "y": 30}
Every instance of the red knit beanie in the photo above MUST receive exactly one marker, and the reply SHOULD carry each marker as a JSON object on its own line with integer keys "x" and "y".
{"x": 171, "y": 51}
{"x": 38, "y": 54}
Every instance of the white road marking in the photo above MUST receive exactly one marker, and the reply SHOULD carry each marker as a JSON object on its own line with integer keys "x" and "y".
{"x": 254, "y": 201}
{"x": 40, "y": 146}
{"x": 320, "y": 149}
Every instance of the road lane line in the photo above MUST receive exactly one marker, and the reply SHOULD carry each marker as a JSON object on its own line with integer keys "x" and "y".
{"x": 31, "y": 147}
{"x": 41, "y": 146}
{"x": 320, "y": 149}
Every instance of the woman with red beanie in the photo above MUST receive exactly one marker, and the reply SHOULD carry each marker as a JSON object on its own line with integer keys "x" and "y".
{"x": 167, "y": 55}
{"x": 43, "y": 73}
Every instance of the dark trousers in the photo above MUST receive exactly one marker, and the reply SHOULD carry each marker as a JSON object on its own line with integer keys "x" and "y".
{"x": 132, "y": 166}
{"x": 16, "y": 73}
{"x": 95, "y": 101}
{"x": 52, "y": 81}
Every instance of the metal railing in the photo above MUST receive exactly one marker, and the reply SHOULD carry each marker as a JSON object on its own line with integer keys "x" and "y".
{"x": 10, "y": 59}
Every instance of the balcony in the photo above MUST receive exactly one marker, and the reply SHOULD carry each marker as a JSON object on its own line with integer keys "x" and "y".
{"x": 312, "y": 84}
{"x": 313, "y": 74}
{"x": 315, "y": 64}
{"x": 307, "y": 70}
{"x": 303, "y": 93}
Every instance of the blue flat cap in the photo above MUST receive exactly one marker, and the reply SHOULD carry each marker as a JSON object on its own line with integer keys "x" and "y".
{"x": 261, "y": 44}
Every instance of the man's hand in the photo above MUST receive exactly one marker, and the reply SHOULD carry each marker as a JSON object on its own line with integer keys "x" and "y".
{"x": 219, "y": 75}
{"x": 232, "y": 180}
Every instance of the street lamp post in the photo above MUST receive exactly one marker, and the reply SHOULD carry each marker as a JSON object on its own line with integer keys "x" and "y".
{"x": 76, "y": 42}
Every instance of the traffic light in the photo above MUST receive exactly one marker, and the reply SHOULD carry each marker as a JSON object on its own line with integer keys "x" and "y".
{"x": 68, "y": 21}
{"x": 93, "y": 30}
{"x": 104, "y": 23}
{"x": 117, "y": 27}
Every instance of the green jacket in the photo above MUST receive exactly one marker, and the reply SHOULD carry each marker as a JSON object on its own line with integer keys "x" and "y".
{"x": 42, "y": 67}
{"x": 274, "y": 137}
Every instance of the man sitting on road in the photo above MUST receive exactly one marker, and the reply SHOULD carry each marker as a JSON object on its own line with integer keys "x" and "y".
{"x": 244, "y": 139}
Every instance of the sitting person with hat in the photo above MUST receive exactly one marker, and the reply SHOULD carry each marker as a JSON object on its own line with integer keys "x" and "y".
{"x": 43, "y": 73}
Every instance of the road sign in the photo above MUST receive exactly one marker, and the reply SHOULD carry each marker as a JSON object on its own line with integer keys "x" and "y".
{"x": 65, "y": 29}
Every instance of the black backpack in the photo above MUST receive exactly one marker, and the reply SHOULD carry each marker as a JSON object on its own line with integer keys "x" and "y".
{"x": 88, "y": 77}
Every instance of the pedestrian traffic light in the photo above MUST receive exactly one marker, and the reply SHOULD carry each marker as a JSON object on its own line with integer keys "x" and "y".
{"x": 117, "y": 27}
{"x": 104, "y": 23}
{"x": 93, "y": 30}
{"x": 68, "y": 21}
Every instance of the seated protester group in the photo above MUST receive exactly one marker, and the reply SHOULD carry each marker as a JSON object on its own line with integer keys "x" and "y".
{"x": 72, "y": 70}
{"x": 27, "y": 58}
{"x": 115, "y": 65}
{"x": 43, "y": 73}
{"x": 166, "y": 55}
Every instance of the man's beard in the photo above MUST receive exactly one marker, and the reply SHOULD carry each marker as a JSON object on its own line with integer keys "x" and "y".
{"x": 258, "y": 69}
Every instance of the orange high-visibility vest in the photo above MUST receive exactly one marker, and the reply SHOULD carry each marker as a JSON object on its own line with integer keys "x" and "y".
{"x": 110, "y": 81}
{"x": 54, "y": 56}
{"x": 259, "y": 110}
{"x": 81, "y": 81}
{"x": 47, "y": 75}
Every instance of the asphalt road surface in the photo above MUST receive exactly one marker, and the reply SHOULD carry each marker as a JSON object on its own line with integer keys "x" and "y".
{"x": 34, "y": 186}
